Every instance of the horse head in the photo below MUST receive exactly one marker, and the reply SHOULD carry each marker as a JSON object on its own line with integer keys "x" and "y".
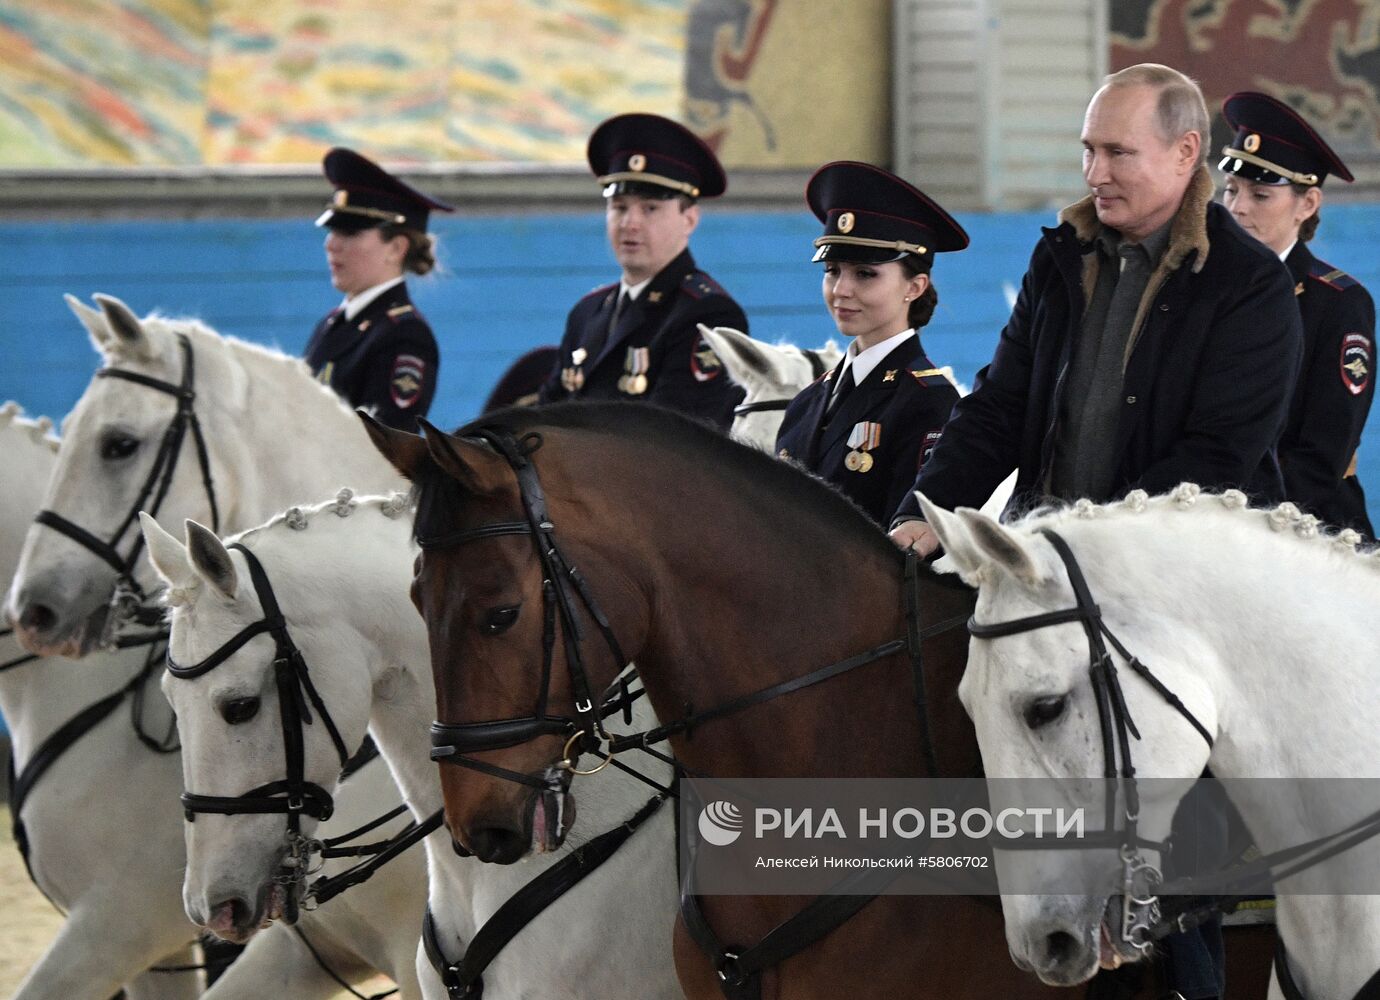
{"x": 499, "y": 599}
{"x": 258, "y": 728}
{"x": 121, "y": 444}
{"x": 770, "y": 375}
{"x": 1048, "y": 704}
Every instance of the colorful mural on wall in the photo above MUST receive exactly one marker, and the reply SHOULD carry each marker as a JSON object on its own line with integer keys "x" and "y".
{"x": 1321, "y": 56}
{"x": 164, "y": 82}
{"x": 183, "y": 82}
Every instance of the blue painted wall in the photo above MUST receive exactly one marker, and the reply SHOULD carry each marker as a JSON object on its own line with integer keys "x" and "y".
{"x": 509, "y": 281}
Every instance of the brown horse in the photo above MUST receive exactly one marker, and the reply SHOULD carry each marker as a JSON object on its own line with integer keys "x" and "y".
{"x": 720, "y": 572}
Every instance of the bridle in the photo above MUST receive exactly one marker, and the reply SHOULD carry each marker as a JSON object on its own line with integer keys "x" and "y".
{"x": 293, "y": 796}
{"x": 817, "y": 368}
{"x": 1139, "y": 878}
{"x": 128, "y": 598}
{"x": 562, "y": 586}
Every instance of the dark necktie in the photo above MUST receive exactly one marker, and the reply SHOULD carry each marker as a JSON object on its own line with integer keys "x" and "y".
{"x": 601, "y": 337}
{"x": 845, "y": 388}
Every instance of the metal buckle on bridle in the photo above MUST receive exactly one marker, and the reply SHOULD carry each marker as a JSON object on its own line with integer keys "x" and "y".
{"x": 727, "y": 969}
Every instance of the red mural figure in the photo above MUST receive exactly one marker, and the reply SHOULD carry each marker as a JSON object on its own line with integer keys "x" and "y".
{"x": 1321, "y": 56}
{"x": 723, "y": 40}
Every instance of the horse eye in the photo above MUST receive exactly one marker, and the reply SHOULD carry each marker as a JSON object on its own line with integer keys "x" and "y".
{"x": 239, "y": 710}
{"x": 500, "y": 620}
{"x": 1042, "y": 711}
{"x": 118, "y": 446}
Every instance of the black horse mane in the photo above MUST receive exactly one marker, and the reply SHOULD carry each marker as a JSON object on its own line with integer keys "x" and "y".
{"x": 708, "y": 453}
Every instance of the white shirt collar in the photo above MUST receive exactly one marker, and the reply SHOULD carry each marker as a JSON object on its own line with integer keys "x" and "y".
{"x": 864, "y": 362}
{"x": 1289, "y": 250}
{"x": 633, "y": 291}
{"x": 354, "y": 305}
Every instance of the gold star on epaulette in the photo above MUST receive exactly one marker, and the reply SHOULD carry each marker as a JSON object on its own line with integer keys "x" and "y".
{"x": 890, "y": 376}
{"x": 654, "y": 296}
{"x": 364, "y": 325}
{"x": 1298, "y": 289}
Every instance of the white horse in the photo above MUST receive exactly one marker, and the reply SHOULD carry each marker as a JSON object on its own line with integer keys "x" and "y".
{"x": 272, "y": 435}
{"x": 103, "y": 823}
{"x": 770, "y": 374}
{"x": 1258, "y": 624}
{"x": 367, "y": 651}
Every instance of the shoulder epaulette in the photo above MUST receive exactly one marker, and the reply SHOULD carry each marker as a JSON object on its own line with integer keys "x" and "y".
{"x": 402, "y": 310}
{"x": 1334, "y": 277}
{"x": 926, "y": 376}
{"x": 601, "y": 290}
{"x": 697, "y": 285}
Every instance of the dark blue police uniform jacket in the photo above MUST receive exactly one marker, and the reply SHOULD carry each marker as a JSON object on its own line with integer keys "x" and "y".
{"x": 384, "y": 360}
{"x": 905, "y": 395}
{"x": 656, "y": 338}
{"x": 1333, "y": 396}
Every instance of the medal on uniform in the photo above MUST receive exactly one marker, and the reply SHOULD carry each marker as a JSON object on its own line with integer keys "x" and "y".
{"x": 635, "y": 368}
{"x": 573, "y": 378}
{"x": 865, "y": 436}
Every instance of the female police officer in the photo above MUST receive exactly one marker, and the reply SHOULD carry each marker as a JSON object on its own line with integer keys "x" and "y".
{"x": 869, "y": 424}
{"x": 1275, "y": 168}
{"x": 375, "y": 349}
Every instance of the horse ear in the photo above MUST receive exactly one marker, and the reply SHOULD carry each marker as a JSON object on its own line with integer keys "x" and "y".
{"x": 1003, "y": 547}
{"x": 407, "y": 452}
{"x": 739, "y": 353}
{"x": 211, "y": 559}
{"x": 167, "y": 555}
{"x": 477, "y": 469}
{"x": 953, "y": 536}
{"x": 128, "y": 332}
{"x": 92, "y": 319}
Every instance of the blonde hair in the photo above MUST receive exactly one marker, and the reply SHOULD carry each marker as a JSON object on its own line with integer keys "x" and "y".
{"x": 1180, "y": 107}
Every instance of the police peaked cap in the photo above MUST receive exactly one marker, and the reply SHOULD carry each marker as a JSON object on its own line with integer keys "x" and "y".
{"x": 1274, "y": 145}
{"x": 654, "y": 157}
{"x": 367, "y": 196}
{"x": 871, "y": 216}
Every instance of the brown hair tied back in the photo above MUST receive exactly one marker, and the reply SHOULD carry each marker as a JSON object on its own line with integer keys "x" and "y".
{"x": 421, "y": 248}
{"x": 1308, "y": 228}
{"x": 923, "y": 307}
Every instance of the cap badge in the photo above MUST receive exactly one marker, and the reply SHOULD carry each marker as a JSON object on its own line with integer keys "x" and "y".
{"x": 637, "y": 162}
{"x": 846, "y": 221}
{"x": 1252, "y": 143}
{"x": 340, "y": 199}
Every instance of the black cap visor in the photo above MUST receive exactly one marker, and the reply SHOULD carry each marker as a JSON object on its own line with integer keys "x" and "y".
{"x": 642, "y": 189}
{"x": 349, "y": 222}
{"x": 1250, "y": 171}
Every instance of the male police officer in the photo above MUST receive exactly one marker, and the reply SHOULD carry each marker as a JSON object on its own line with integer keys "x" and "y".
{"x": 638, "y": 339}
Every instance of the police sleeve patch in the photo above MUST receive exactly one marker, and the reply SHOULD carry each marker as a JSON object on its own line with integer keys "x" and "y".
{"x": 1355, "y": 362}
{"x": 405, "y": 383}
{"x": 927, "y": 446}
{"x": 704, "y": 363}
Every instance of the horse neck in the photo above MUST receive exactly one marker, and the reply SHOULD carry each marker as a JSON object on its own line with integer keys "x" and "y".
{"x": 364, "y": 604}
{"x": 285, "y": 440}
{"x": 1332, "y": 941}
{"x": 748, "y": 597}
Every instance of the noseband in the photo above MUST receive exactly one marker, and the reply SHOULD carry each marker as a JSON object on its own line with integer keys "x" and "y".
{"x": 1140, "y": 879}
{"x": 128, "y": 595}
{"x": 294, "y": 796}
{"x": 562, "y": 586}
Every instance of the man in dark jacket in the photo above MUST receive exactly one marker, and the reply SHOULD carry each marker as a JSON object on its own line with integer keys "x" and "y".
{"x": 638, "y": 339}
{"x": 1153, "y": 342}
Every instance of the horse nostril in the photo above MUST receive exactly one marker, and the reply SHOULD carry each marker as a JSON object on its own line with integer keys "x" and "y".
{"x": 228, "y": 916}
{"x": 497, "y": 845}
{"x": 1060, "y": 947}
{"x": 37, "y": 618}
{"x": 459, "y": 849}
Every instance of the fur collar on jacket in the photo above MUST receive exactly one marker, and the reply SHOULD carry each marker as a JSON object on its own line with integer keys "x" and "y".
{"x": 1188, "y": 232}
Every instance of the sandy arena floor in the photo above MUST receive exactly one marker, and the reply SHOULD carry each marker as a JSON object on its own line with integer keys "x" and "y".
{"x": 28, "y": 921}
